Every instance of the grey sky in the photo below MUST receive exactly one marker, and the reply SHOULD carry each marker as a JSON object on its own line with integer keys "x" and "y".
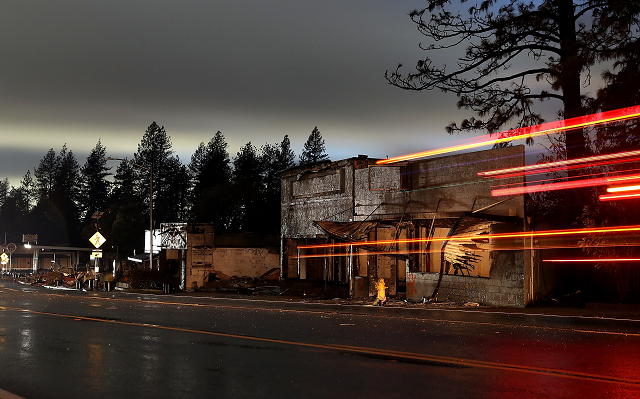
{"x": 78, "y": 71}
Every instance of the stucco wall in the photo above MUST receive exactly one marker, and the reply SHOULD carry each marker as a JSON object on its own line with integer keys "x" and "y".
{"x": 246, "y": 262}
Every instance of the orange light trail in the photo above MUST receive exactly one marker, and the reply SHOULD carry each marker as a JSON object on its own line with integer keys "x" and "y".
{"x": 599, "y": 160}
{"x": 536, "y": 234}
{"x": 624, "y": 178}
{"x": 493, "y": 248}
{"x": 526, "y": 132}
{"x": 624, "y": 188}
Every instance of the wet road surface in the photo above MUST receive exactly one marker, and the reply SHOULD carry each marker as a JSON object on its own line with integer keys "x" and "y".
{"x": 63, "y": 344}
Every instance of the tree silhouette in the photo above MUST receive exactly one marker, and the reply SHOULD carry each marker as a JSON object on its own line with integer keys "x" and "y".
{"x": 314, "y": 149}
{"x": 155, "y": 151}
{"x": 127, "y": 211}
{"x": 28, "y": 190}
{"x": 210, "y": 171}
{"x": 558, "y": 41}
{"x": 248, "y": 183}
{"x": 95, "y": 186}
{"x": 45, "y": 174}
{"x": 210, "y": 164}
{"x": 275, "y": 159}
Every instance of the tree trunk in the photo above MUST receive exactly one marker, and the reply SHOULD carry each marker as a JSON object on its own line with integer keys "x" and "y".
{"x": 570, "y": 78}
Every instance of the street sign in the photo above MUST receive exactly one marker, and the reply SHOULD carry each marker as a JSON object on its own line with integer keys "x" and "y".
{"x": 97, "y": 239}
{"x": 4, "y": 258}
{"x": 29, "y": 238}
{"x": 11, "y": 247}
{"x": 96, "y": 254}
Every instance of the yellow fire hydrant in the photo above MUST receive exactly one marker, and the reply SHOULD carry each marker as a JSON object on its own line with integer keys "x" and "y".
{"x": 382, "y": 298}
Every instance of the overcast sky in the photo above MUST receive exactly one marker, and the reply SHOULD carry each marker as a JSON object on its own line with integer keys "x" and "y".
{"x": 77, "y": 71}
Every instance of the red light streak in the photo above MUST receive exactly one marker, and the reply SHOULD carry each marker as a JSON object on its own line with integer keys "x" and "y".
{"x": 594, "y": 260}
{"x": 601, "y": 181}
{"x": 566, "y": 164}
{"x": 531, "y": 131}
{"x": 531, "y": 234}
{"x": 612, "y": 197}
{"x": 554, "y": 179}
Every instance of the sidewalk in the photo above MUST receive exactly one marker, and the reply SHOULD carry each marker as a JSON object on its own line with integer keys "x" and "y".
{"x": 400, "y": 308}
{"x": 393, "y": 307}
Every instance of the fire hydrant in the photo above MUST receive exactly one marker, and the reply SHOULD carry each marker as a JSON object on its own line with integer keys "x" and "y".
{"x": 382, "y": 298}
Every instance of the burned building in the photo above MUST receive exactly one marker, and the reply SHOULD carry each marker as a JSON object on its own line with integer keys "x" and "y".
{"x": 202, "y": 256}
{"x": 423, "y": 226}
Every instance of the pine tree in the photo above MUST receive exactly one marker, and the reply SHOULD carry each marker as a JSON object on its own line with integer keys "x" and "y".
{"x": 154, "y": 152}
{"x": 29, "y": 191}
{"x": 210, "y": 164}
{"x": 248, "y": 183}
{"x": 286, "y": 158}
{"x": 314, "y": 149}
{"x": 275, "y": 159}
{"x": 127, "y": 210}
{"x": 210, "y": 171}
{"x": 45, "y": 174}
{"x": 4, "y": 190}
{"x": 95, "y": 187}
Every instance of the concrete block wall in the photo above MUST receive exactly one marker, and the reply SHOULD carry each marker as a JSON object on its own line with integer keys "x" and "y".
{"x": 504, "y": 287}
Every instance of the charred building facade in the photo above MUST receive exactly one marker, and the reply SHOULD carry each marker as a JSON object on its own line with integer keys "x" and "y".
{"x": 423, "y": 226}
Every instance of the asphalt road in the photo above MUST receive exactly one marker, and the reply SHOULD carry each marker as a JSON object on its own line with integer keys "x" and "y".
{"x": 62, "y": 344}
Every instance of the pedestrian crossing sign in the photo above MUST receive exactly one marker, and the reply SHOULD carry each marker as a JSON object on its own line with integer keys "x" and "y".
{"x": 97, "y": 239}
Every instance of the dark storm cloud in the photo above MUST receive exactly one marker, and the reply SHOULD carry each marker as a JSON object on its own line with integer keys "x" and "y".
{"x": 77, "y": 71}
{"x": 249, "y": 54}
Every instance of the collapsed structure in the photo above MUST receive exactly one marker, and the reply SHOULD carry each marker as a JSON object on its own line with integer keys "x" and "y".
{"x": 349, "y": 223}
{"x": 203, "y": 257}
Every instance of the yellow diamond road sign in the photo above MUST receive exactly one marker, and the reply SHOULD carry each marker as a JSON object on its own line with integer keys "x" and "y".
{"x": 97, "y": 239}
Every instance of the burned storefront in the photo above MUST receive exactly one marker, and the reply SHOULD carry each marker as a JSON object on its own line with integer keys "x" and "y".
{"x": 422, "y": 226}
{"x": 198, "y": 257}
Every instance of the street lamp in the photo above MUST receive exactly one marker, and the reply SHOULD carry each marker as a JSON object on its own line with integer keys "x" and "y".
{"x": 150, "y": 205}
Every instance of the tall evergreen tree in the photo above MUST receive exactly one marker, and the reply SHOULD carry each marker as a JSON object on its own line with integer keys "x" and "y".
{"x": 95, "y": 186}
{"x": 275, "y": 159}
{"x": 176, "y": 191}
{"x": 56, "y": 214}
{"x": 29, "y": 190}
{"x": 212, "y": 195}
{"x": 286, "y": 158}
{"x": 4, "y": 190}
{"x": 154, "y": 151}
{"x": 247, "y": 179}
{"x": 14, "y": 215}
{"x": 210, "y": 164}
{"x": 46, "y": 173}
{"x": 314, "y": 149}
{"x": 127, "y": 211}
